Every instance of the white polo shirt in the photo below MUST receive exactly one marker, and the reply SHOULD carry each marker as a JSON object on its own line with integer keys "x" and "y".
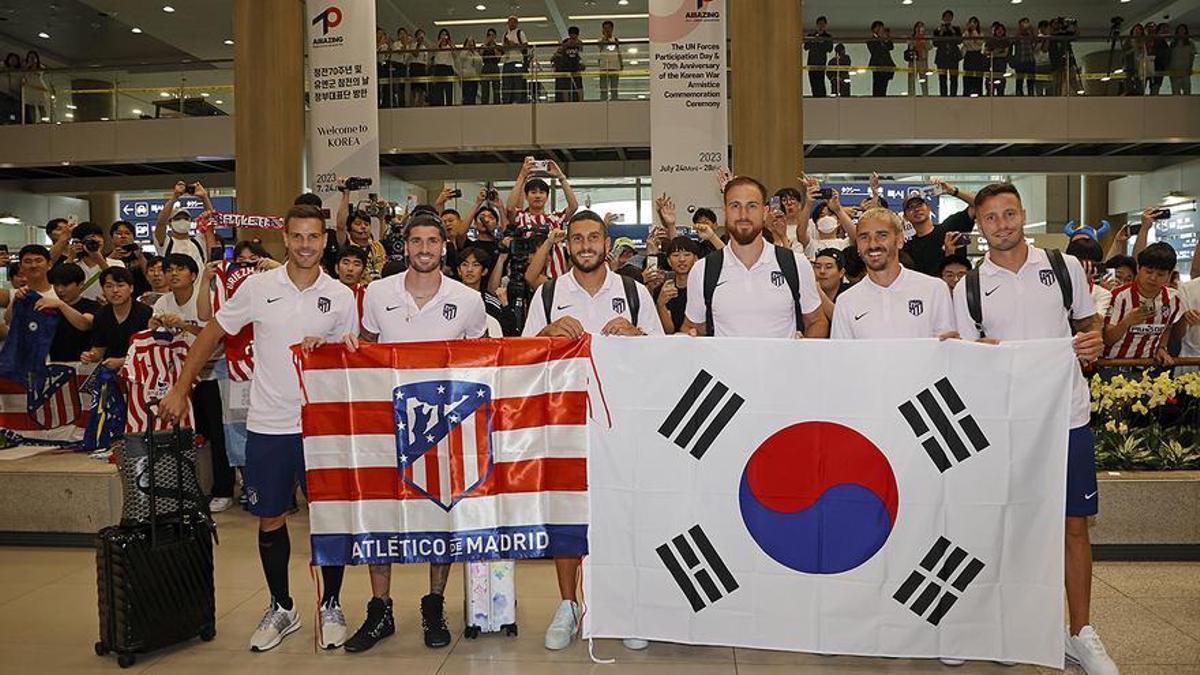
{"x": 454, "y": 312}
{"x": 754, "y": 302}
{"x": 915, "y": 305}
{"x": 282, "y": 316}
{"x": 1028, "y": 306}
{"x": 592, "y": 311}
{"x": 94, "y": 289}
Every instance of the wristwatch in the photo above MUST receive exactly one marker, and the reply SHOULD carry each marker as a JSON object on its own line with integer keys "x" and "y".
{"x": 955, "y": 193}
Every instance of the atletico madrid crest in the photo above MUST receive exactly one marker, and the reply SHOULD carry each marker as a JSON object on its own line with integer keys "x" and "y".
{"x": 443, "y": 439}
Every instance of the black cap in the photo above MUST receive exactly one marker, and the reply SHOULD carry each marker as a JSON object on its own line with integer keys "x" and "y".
{"x": 915, "y": 198}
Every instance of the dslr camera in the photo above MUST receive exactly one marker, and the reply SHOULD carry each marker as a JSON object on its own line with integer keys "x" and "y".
{"x": 356, "y": 183}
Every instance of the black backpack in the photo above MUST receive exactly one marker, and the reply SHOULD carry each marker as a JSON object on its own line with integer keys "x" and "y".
{"x": 1057, "y": 265}
{"x": 631, "y": 297}
{"x": 713, "y": 262}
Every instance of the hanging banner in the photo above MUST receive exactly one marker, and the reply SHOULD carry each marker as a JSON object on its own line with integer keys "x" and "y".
{"x": 343, "y": 118}
{"x": 689, "y": 131}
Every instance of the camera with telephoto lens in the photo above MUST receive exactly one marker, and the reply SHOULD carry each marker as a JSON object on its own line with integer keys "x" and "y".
{"x": 91, "y": 245}
{"x": 356, "y": 183}
{"x": 522, "y": 244}
{"x": 375, "y": 208}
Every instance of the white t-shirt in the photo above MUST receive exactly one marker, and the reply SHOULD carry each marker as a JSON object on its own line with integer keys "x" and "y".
{"x": 512, "y": 53}
{"x": 592, "y": 311}
{"x": 93, "y": 289}
{"x": 166, "y": 304}
{"x": 1102, "y": 298}
{"x": 1028, "y": 305}
{"x": 454, "y": 312}
{"x": 754, "y": 302}
{"x": 1189, "y": 294}
{"x": 915, "y": 305}
{"x": 816, "y": 245}
{"x": 188, "y": 247}
{"x": 284, "y": 315}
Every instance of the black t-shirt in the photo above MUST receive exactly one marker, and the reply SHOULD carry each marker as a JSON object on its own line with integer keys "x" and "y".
{"x": 114, "y": 336}
{"x": 676, "y": 306}
{"x": 69, "y": 342}
{"x": 927, "y": 252}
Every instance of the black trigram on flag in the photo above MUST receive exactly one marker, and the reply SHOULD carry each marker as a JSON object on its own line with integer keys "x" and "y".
{"x": 949, "y": 418}
{"x": 710, "y": 408}
{"x": 939, "y": 592}
{"x": 695, "y": 566}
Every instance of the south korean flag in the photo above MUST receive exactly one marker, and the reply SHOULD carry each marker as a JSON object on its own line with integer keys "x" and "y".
{"x": 875, "y": 498}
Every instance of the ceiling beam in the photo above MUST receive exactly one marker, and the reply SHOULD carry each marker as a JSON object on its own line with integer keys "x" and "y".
{"x": 1061, "y": 148}
{"x": 998, "y": 150}
{"x": 934, "y": 150}
{"x": 621, "y": 154}
{"x": 556, "y": 15}
{"x": 871, "y": 150}
{"x": 1183, "y": 149}
{"x": 1123, "y": 148}
{"x": 442, "y": 158}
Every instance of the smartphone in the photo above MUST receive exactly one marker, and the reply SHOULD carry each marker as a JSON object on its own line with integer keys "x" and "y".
{"x": 652, "y": 262}
{"x": 190, "y": 188}
{"x": 456, "y": 194}
{"x": 3, "y": 248}
{"x": 1162, "y": 214}
{"x": 825, "y": 193}
{"x": 216, "y": 253}
{"x": 618, "y": 217}
{"x": 228, "y": 257}
{"x": 775, "y": 204}
{"x": 963, "y": 239}
{"x": 541, "y": 165}
{"x": 1134, "y": 228}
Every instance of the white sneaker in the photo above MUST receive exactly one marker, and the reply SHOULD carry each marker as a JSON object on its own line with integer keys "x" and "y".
{"x": 276, "y": 624}
{"x": 1088, "y": 651}
{"x": 333, "y": 625}
{"x": 953, "y": 663}
{"x": 564, "y": 626}
{"x": 636, "y": 644}
{"x": 219, "y": 504}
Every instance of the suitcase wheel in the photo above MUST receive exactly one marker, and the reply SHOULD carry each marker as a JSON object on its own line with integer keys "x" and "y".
{"x": 101, "y": 650}
{"x": 208, "y": 632}
{"x": 125, "y": 660}
{"x": 471, "y": 632}
{"x": 510, "y": 629}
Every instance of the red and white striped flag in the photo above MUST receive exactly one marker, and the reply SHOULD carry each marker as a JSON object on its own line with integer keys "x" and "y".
{"x": 56, "y": 411}
{"x": 446, "y": 451}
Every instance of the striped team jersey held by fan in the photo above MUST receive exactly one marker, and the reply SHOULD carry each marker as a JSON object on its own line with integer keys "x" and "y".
{"x": 525, "y": 221}
{"x": 152, "y": 367}
{"x": 446, "y": 451}
{"x": 239, "y": 353}
{"x": 1143, "y": 339}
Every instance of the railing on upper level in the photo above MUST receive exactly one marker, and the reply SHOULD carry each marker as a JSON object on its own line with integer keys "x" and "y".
{"x": 1077, "y": 66}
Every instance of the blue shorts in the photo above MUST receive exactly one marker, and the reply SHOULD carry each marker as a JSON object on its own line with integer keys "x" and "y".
{"x": 1083, "y": 498}
{"x": 274, "y": 466}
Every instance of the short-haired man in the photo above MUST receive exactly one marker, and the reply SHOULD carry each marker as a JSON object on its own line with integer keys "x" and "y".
{"x": 58, "y": 230}
{"x": 417, "y": 305}
{"x": 818, "y": 44}
{"x": 550, "y": 259}
{"x": 352, "y": 267}
{"x": 127, "y": 250}
{"x": 752, "y": 295}
{"x": 116, "y": 322}
{"x": 516, "y": 50}
{"x": 1144, "y": 311}
{"x": 157, "y": 279}
{"x": 1091, "y": 255}
{"x": 177, "y": 310}
{"x": 74, "y": 332}
{"x": 87, "y": 248}
{"x": 1124, "y": 270}
{"x": 931, "y": 242}
{"x": 293, "y": 303}
{"x": 953, "y": 269}
{"x": 829, "y": 268}
{"x": 892, "y": 301}
{"x": 591, "y": 298}
{"x": 33, "y": 261}
{"x": 1017, "y": 304}
{"x": 355, "y": 231}
{"x": 173, "y": 228}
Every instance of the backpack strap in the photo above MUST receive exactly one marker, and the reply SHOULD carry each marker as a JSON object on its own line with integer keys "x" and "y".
{"x": 975, "y": 299}
{"x": 713, "y": 262}
{"x": 632, "y": 299}
{"x": 548, "y": 298}
{"x": 787, "y": 264}
{"x": 1059, "y": 266}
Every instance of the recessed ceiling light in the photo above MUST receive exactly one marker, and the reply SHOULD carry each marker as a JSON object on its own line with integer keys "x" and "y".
{"x": 481, "y": 22}
{"x": 906, "y": 2}
{"x": 135, "y": 30}
{"x": 633, "y": 62}
{"x": 71, "y": 106}
{"x": 168, "y": 9}
{"x": 103, "y": 119}
{"x": 69, "y": 116}
{"x": 632, "y": 50}
{"x": 229, "y": 42}
{"x": 204, "y": 94}
{"x": 66, "y": 162}
{"x": 164, "y": 94}
{"x": 136, "y": 111}
{"x": 219, "y": 102}
{"x": 642, "y": 97}
{"x": 1016, "y": 2}
{"x": 44, "y": 35}
{"x": 481, "y": 8}
{"x": 622, "y": 2}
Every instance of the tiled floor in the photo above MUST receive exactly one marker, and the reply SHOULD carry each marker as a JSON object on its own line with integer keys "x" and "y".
{"x": 1148, "y": 614}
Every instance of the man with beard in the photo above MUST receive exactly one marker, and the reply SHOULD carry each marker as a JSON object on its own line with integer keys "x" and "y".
{"x": 293, "y": 303}
{"x": 751, "y": 288}
{"x": 590, "y": 298}
{"x": 417, "y": 305}
{"x": 891, "y": 302}
{"x": 1015, "y": 303}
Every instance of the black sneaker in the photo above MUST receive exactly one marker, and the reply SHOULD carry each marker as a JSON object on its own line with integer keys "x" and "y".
{"x": 379, "y": 624}
{"x": 433, "y": 621}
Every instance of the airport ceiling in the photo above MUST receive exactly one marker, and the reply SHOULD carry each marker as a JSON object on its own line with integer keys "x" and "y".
{"x": 85, "y": 32}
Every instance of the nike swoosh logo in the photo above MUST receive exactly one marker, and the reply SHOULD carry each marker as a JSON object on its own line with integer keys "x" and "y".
{"x": 388, "y": 309}
{"x": 861, "y": 316}
{"x": 991, "y": 291}
{"x": 721, "y": 282}
{"x": 1089, "y": 496}
{"x": 270, "y": 300}
{"x": 562, "y": 307}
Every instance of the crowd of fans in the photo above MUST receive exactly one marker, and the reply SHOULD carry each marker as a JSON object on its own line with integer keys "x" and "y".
{"x": 1040, "y": 57}
{"x": 415, "y": 72}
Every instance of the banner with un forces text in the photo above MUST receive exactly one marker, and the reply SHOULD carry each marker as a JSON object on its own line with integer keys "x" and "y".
{"x": 343, "y": 118}
{"x": 689, "y": 135}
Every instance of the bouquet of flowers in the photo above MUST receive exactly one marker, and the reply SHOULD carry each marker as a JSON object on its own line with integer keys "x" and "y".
{"x": 1150, "y": 423}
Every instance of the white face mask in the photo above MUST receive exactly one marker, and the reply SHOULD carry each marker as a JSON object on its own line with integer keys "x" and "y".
{"x": 181, "y": 226}
{"x": 827, "y": 224}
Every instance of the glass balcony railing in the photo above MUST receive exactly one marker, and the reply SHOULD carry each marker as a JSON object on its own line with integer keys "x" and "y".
{"x": 1079, "y": 66}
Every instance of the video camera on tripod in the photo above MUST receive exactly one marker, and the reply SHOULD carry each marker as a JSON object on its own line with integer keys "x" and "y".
{"x": 523, "y": 242}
